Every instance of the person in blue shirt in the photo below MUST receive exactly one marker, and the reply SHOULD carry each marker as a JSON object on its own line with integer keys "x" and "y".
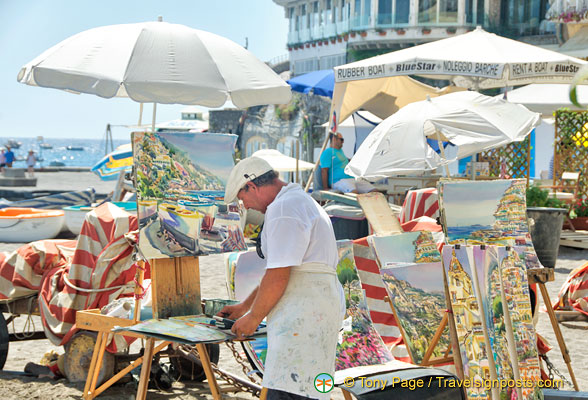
{"x": 9, "y": 156}
{"x": 333, "y": 162}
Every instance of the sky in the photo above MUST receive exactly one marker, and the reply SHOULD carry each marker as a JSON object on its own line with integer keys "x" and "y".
{"x": 27, "y": 28}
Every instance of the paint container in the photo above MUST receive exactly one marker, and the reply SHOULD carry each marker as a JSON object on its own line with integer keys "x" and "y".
{"x": 213, "y": 306}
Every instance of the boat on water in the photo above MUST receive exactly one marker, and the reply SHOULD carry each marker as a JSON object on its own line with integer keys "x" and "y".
{"x": 55, "y": 163}
{"x": 29, "y": 224}
{"x": 46, "y": 146}
{"x": 75, "y": 148}
{"x": 13, "y": 144}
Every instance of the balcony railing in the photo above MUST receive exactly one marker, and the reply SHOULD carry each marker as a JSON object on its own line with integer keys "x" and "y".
{"x": 293, "y": 37}
{"x": 360, "y": 22}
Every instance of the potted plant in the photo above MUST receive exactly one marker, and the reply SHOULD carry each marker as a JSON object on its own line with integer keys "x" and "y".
{"x": 426, "y": 31}
{"x": 363, "y": 33}
{"x": 381, "y": 32}
{"x": 352, "y": 34}
{"x": 333, "y": 40}
{"x": 451, "y": 30}
{"x": 579, "y": 215}
{"x": 346, "y": 36}
{"x": 400, "y": 31}
{"x": 545, "y": 216}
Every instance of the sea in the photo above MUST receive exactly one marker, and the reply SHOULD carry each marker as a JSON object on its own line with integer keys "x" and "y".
{"x": 90, "y": 151}
{"x": 464, "y": 232}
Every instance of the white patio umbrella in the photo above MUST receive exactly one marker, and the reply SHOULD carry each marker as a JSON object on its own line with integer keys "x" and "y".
{"x": 157, "y": 62}
{"x": 281, "y": 162}
{"x": 469, "y": 121}
{"x": 475, "y": 60}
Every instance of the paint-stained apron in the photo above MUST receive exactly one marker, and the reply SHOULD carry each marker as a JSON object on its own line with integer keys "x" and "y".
{"x": 303, "y": 329}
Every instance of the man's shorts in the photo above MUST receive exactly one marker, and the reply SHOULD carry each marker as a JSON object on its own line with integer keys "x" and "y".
{"x": 349, "y": 185}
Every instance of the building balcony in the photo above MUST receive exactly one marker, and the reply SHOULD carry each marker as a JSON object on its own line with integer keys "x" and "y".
{"x": 359, "y": 22}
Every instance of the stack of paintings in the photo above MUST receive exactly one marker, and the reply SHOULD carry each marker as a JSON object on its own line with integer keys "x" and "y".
{"x": 411, "y": 268}
{"x": 487, "y": 212}
{"x": 490, "y": 298}
{"x": 180, "y": 180}
{"x": 359, "y": 343}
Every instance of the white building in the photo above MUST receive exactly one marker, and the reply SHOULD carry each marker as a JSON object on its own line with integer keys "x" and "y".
{"x": 326, "y": 33}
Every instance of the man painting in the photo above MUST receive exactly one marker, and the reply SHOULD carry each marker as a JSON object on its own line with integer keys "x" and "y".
{"x": 299, "y": 293}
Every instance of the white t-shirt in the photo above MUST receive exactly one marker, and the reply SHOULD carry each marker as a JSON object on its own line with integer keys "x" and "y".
{"x": 297, "y": 231}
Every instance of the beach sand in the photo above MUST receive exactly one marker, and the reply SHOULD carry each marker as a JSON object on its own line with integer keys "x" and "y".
{"x": 13, "y": 385}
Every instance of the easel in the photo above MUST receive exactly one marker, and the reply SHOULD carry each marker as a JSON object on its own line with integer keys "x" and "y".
{"x": 175, "y": 285}
{"x": 383, "y": 222}
{"x": 540, "y": 276}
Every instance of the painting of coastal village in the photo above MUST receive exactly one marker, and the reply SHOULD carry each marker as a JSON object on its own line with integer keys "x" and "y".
{"x": 518, "y": 310}
{"x": 180, "y": 179}
{"x": 491, "y": 212}
{"x": 468, "y": 316}
{"x": 359, "y": 344}
{"x": 413, "y": 275}
{"x": 490, "y": 285}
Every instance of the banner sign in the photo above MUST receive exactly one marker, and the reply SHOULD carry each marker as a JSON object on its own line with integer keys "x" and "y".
{"x": 458, "y": 68}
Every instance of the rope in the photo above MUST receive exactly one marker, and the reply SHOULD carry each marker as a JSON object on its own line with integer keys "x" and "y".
{"x": 27, "y": 332}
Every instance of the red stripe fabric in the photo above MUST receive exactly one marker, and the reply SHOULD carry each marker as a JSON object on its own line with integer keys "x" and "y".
{"x": 100, "y": 258}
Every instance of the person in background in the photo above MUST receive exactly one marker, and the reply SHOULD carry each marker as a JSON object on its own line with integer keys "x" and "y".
{"x": 299, "y": 293}
{"x": 9, "y": 157}
{"x": 31, "y": 161}
{"x": 2, "y": 160}
{"x": 333, "y": 163}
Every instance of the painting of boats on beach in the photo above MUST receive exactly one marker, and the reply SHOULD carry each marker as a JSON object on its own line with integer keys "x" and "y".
{"x": 411, "y": 268}
{"x": 180, "y": 180}
{"x": 488, "y": 212}
{"x": 359, "y": 343}
{"x": 519, "y": 320}
{"x": 469, "y": 318}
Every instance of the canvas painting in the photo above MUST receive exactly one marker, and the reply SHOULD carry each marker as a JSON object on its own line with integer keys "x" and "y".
{"x": 490, "y": 286}
{"x": 197, "y": 329}
{"x": 487, "y": 212}
{"x": 468, "y": 314}
{"x": 359, "y": 344}
{"x": 180, "y": 180}
{"x": 519, "y": 320}
{"x": 411, "y": 268}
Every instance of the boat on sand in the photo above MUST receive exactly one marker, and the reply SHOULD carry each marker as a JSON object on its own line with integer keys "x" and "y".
{"x": 29, "y": 224}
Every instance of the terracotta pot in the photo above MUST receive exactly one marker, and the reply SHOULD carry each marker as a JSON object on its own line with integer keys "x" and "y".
{"x": 363, "y": 34}
{"x": 352, "y": 34}
{"x": 400, "y": 32}
{"x": 580, "y": 223}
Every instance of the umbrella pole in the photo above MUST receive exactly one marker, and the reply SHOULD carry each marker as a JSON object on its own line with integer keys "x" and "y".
{"x": 140, "y": 114}
{"x": 442, "y": 150}
{"x": 153, "y": 119}
{"x": 297, "y": 158}
{"x": 316, "y": 164}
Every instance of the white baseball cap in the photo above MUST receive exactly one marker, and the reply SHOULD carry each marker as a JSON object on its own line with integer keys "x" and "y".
{"x": 244, "y": 171}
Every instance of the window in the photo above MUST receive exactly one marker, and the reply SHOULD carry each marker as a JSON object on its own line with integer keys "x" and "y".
{"x": 401, "y": 11}
{"x": 385, "y": 12}
{"x": 253, "y": 144}
{"x": 427, "y": 11}
{"x": 447, "y": 11}
{"x": 438, "y": 11}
